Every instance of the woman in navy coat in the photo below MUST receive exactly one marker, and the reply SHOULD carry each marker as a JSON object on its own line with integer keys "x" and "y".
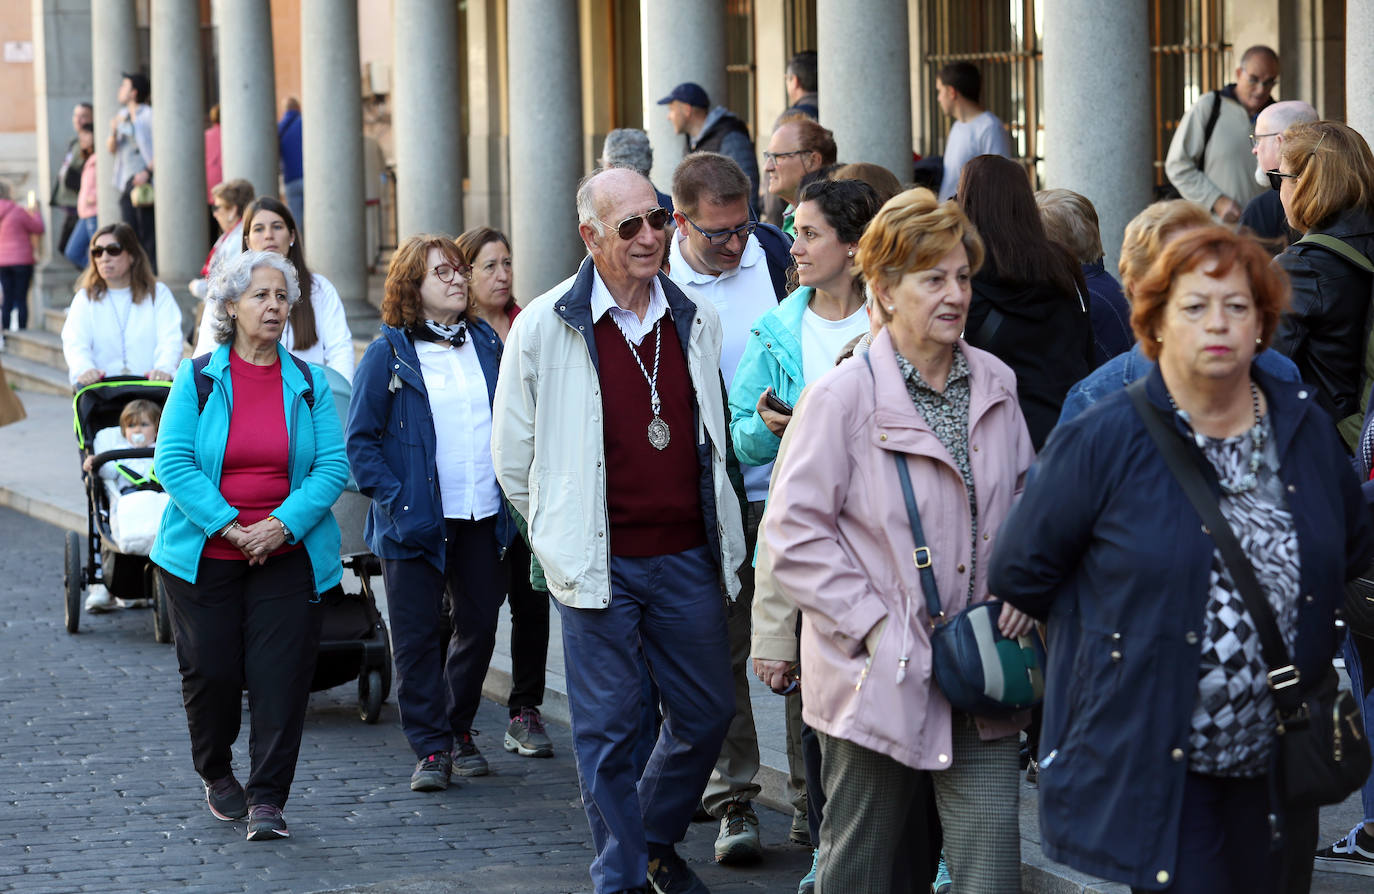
{"x": 1158, "y": 736}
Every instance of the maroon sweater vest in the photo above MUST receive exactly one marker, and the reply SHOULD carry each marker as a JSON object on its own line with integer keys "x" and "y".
{"x": 652, "y": 496}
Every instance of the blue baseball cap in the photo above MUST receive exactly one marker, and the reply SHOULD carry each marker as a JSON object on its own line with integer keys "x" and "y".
{"x": 690, "y": 93}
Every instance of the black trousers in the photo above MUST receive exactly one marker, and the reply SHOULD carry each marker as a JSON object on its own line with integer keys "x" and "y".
{"x": 257, "y": 625}
{"x": 438, "y": 697}
{"x": 141, "y": 218}
{"x": 14, "y": 283}
{"x": 529, "y": 631}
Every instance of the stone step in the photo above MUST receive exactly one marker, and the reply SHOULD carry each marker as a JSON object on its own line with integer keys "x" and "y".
{"x": 38, "y": 345}
{"x": 30, "y": 375}
{"x": 53, "y": 318}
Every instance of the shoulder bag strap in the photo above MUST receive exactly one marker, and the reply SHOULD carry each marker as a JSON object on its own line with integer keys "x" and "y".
{"x": 920, "y": 556}
{"x": 1282, "y": 673}
{"x": 1340, "y": 247}
{"x": 1210, "y": 126}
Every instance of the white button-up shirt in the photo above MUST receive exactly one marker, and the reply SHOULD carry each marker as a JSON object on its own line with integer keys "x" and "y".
{"x": 630, "y": 324}
{"x": 462, "y": 429}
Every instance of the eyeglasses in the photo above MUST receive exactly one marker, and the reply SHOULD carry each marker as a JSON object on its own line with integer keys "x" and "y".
{"x": 446, "y": 272}
{"x": 629, "y": 227}
{"x": 1266, "y": 83}
{"x": 723, "y": 237}
{"x": 113, "y": 251}
{"x": 774, "y": 156}
{"x": 1276, "y": 178}
{"x": 1256, "y": 137}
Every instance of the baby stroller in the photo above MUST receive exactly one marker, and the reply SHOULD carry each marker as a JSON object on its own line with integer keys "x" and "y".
{"x": 127, "y": 575}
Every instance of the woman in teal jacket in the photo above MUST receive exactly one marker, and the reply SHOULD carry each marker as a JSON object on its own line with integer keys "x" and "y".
{"x": 251, "y": 453}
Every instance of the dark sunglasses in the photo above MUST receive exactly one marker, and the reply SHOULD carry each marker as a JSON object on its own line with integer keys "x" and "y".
{"x": 627, "y": 228}
{"x": 113, "y": 251}
{"x": 722, "y": 237}
{"x": 1276, "y": 178}
{"x": 446, "y": 272}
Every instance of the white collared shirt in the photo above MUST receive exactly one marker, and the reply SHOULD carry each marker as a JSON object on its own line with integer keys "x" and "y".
{"x": 629, "y": 322}
{"x": 741, "y": 295}
{"x": 462, "y": 429}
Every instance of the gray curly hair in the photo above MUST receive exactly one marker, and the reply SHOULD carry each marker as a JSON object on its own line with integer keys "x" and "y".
{"x": 232, "y": 279}
{"x": 628, "y": 147}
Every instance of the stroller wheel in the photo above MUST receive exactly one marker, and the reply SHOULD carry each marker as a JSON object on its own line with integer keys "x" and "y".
{"x": 370, "y": 696}
{"x": 162, "y": 620}
{"x": 71, "y": 581}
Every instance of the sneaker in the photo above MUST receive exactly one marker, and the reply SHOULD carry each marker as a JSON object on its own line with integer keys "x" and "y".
{"x": 99, "y": 600}
{"x": 808, "y": 882}
{"x": 134, "y": 603}
{"x": 669, "y": 874}
{"x": 467, "y": 760}
{"x": 943, "y": 883}
{"x": 1353, "y": 854}
{"x": 225, "y": 799}
{"x": 800, "y": 833}
{"x": 526, "y": 736}
{"x": 265, "y": 823}
{"x": 1033, "y": 772}
{"x": 738, "y": 841}
{"x": 432, "y": 773}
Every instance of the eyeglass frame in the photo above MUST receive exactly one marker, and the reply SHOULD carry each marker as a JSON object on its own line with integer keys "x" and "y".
{"x": 1276, "y": 177}
{"x": 639, "y": 221}
{"x": 1267, "y": 83}
{"x": 774, "y": 156}
{"x": 744, "y": 231}
{"x": 1256, "y": 137}
{"x": 463, "y": 270}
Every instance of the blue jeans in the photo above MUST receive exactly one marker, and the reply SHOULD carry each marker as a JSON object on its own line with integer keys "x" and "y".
{"x": 79, "y": 242}
{"x": 1359, "y": 664}
{"x": 670, "y": 606}
{"x": 295, "y": 200}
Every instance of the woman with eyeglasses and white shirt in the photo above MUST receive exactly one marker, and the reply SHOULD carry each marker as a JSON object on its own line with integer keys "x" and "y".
{"x": 122, "y": 322}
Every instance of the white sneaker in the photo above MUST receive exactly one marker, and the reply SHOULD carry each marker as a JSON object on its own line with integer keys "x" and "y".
{"x": 99, "y": 600}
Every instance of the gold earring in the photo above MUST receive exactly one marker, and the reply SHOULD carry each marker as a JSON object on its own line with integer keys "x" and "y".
{"x": 1158, "y": 339}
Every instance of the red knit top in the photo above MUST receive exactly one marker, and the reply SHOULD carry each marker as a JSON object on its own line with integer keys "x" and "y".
{"x": 653, "y": 496}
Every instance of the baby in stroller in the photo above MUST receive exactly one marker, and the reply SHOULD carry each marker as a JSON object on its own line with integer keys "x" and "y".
{"x": 136, "y": 497}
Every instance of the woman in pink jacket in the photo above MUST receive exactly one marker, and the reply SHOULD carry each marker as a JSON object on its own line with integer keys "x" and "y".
{"x": 17, "y": 224}
{"x": 838, "y": 534}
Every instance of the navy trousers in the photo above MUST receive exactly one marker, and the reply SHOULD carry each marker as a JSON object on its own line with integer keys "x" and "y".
{"x": 438, "y": 697}
{"x": 672, "y": 607}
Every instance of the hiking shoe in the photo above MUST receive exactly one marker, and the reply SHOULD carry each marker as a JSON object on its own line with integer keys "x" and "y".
{"x": 1353, "y": 854}
{"x": 526, "y": 736}
{"x": 432, "y": 773}
{"x": 800, "y": 833}
{"x": 99, "y": 600}
{"x": 467, "y": 760}
{"x": 265, "y": 823}
{"x": 808, "y": 882}
{"x": 669, "y": 874}
{"x": 738, "y": 841}
{"x": 225, "y": 799}
{"x": 943, "y": 883}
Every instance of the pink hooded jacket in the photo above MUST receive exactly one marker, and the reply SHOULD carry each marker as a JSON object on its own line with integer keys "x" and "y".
{"x": 16, "y": 225}
{"x": 838, "y": 535}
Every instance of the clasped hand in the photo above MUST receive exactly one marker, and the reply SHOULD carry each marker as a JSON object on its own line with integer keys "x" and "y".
{"x": 258, "y": 540}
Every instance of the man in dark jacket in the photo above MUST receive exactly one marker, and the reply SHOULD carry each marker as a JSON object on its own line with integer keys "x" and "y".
{"x": 711, "y": 129}
{"x": 1264, "y": 215}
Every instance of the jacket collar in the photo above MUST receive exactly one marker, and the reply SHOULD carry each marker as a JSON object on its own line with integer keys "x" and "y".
{"x": 574, "y": 307}
{"x": 217, "y": 368}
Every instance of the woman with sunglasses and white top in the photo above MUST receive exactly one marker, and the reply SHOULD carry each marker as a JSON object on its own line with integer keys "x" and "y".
{"x": 122, "y": 322}
{"x": 1325, "y": 181}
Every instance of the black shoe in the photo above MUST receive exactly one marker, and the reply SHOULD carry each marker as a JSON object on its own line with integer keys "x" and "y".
{"x": 226, "y": 799}
{"x": 265, "y": 823}
{"x": 432, "y": 773}
{"x": 669, "y": 874}
{"x": 467, "y": 760}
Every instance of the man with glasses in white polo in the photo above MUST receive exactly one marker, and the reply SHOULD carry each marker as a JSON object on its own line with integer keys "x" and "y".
{"x": 608, "y": 435}
{"x": 1209, "y": 157}
{"x": 722, "y": 254}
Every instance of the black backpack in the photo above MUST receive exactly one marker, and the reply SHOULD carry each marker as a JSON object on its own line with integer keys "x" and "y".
{"x": 204, "y": 382}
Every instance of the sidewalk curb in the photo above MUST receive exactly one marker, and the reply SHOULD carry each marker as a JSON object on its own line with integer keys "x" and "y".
{"x": 43, "y": 511}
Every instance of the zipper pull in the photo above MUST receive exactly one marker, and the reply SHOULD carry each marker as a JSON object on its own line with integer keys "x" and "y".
{"x": 863, "y": 675}
{"x": 395, "y": 384}
{"x": 901, "y": 668}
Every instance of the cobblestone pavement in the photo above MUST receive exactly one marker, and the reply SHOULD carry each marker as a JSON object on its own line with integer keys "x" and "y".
{"x": 97, "y": 792}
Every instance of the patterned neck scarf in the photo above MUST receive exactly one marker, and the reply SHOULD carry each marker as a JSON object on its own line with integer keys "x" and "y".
{"x": 455, "y": 335}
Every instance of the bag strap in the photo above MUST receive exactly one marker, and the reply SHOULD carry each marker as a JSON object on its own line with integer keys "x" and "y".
{"x": 1282, "y": 674}
{"x": 1207, "y": 129}
{"x": 204, "y": 385}
{"x": 1340, "y": 247}
{"x": 920, "y": 556}
{"x": 987, "y": 329}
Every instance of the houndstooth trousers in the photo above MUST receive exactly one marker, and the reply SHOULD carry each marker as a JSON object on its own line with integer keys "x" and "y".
{"x": 868, "y": 796}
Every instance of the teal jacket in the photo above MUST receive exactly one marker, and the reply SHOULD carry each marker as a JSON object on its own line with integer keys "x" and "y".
{"x": 772, "y": 358}
{"x": 190, "y": 457}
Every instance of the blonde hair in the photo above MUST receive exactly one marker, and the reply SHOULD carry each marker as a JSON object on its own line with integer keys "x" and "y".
{"x": 913, "y": 231}
{"x": 1148, "y": 233}
{"x": 1071, "y": 220}
{"x": 142, "y": 407}
{"x": 1334, "y": 169}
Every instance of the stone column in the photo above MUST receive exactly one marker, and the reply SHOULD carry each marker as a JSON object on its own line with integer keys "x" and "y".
{"x": 247, "y": 94}
{"x": 332, "y": 147}
{"x": 428, "y": 134}
{"x": 1112, "y": 166}
{"x": 485, "y": 197}
{"x": 1359, "y": 66}
{"x": 545, "y": 143}
{"x": 178, "y": 145}
{"x": 114, "y": 50}
{"x": 864, "y": 74}
{"x": 681, "y": 40}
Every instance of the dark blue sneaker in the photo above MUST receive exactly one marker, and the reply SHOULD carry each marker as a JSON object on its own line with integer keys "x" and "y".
{"x": 265, "y": 823}
{"x": 225, "y": 799}
{"x": 669, "y": 874}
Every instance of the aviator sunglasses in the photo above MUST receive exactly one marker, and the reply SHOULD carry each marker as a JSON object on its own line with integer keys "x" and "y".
{"x": 627, "y": 228}
{"x": 113, "y": 251}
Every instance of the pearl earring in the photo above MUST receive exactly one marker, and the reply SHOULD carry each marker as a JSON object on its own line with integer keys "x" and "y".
{"x": 1259, "y": 341}
{"x": 1158, "y": 339}
{"x": 851, "y": 252}
{"x": 891, "y": 309}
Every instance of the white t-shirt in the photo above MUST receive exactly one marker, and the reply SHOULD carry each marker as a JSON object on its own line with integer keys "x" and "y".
{"x": 983, "y": 135}
{"x": 822, "y": 340}
{"x": 462, "y": 429}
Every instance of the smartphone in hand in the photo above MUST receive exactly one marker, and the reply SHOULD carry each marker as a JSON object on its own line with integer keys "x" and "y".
{"x": 776, "y": 404}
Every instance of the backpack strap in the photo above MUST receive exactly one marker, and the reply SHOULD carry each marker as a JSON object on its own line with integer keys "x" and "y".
{"x": 775, "y": 244}
{"x": 204, "y": 384}
{"x": 1207, "y": 129}
{"x": 1340, "y": 247}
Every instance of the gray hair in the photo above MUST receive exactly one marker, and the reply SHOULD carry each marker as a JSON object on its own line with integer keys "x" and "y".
{"x": 628, "y": 147}
{"x": 232, "y": 279}
{"x": 586, "y": 203}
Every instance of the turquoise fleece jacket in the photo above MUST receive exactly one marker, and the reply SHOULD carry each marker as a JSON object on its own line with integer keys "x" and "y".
{"x": 772, "y": 359}
{"x": 190, "y": 458}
